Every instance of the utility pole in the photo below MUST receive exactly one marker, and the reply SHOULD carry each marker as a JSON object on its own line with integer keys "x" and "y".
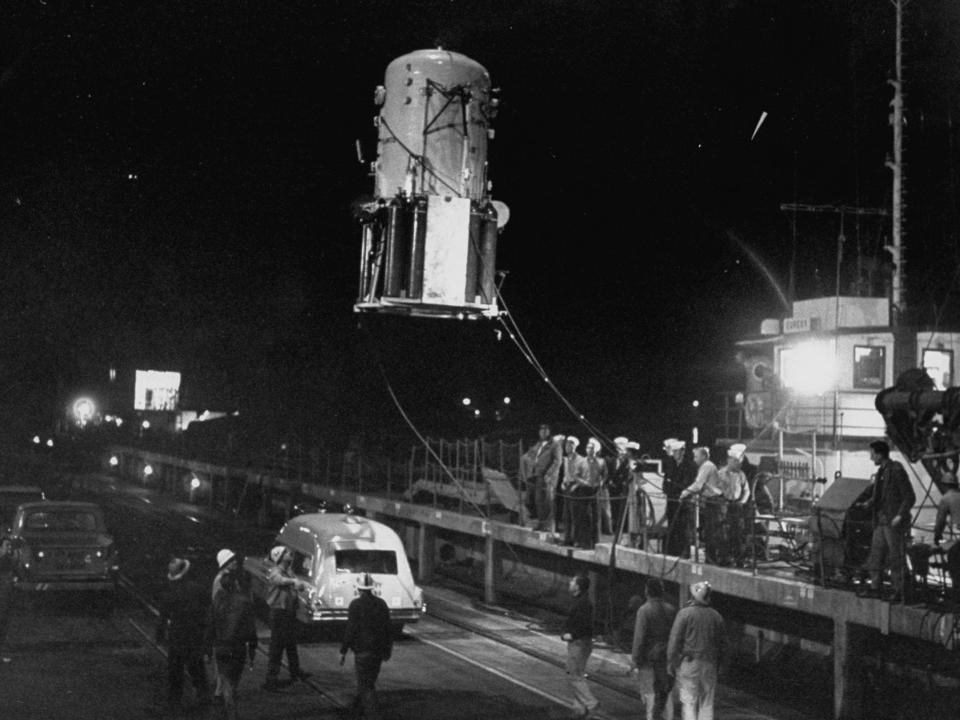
{"x": 898, "y": 299}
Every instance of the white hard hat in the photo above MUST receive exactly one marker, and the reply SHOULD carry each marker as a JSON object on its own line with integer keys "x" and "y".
{"x": 276, "y": 553}
{"x": 224, "y": 557}
{"x": 701, "y": 591}
{"x": 737, "y": 451}
{"x": 365, "y": 582}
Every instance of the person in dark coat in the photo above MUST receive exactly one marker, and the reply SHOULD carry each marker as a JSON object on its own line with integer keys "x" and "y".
{"x": 890, "y": 499}
{"x": 648, "y": 656}
{"x": 679, "y": 472}
{"x": 370, "y": 636}
{"x": 232, "y": 633}
{"x": 578, "y": 634}
{"x": 184, "y": 605}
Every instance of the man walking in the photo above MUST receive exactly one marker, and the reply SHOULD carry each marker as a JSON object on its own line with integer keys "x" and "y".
{"x": 890, "y": 499}
{"x": 183, "y": 612}
{"x": 697, "y": 643}
{"x": 370, "y": 636}
{"x": 282, "y": 603}
{"x": 651, "y": 633}
{"x": 578, "y": 634}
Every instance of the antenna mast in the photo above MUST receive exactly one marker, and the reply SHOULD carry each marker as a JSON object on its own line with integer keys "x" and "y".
{"x": 898, "y": 299}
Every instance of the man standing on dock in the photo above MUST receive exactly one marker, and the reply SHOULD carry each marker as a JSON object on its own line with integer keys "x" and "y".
{"x": 697, "y": 644}
{"x": 541, "y": 463}
{"x": 890, "y": 499}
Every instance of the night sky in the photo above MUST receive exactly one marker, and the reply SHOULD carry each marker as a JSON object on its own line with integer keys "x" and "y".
{"x": 176, "y": 181}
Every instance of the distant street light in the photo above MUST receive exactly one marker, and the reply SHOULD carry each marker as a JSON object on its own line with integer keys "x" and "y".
{"x": 466, "y": 402}
{"x": 506, "y": 400}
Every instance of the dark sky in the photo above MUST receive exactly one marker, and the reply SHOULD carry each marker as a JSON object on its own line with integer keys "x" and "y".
{"x": 176, "y": 180}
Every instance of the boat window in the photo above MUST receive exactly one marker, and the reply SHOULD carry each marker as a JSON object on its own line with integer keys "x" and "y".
{"x": 371, "y": 561}
{"x": 302, "y": 564}
{"x": 939, "y": 366}
{"x": 869, "y": 367}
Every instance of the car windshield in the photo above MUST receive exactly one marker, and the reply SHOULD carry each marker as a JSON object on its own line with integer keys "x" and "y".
{"x": 61, "y": 521}
{"x": 371, "y": 561}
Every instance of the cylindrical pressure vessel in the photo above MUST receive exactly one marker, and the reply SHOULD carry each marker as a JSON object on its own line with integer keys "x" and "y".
{"x": 433, "y": 125}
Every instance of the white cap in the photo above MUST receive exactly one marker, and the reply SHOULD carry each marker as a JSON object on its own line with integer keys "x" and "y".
{"x": 276, "y": 553}
{"x": 672, "y": 444}
{"x": 737, "y": 451}
{"x": 573, "y": 439}
{"x": 621, "y": 442}
{"x": 224, "y": 557}
{"x": 593, "y": 443}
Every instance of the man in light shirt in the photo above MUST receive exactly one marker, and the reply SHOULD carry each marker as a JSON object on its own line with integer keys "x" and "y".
{"x": 707, "y": 489}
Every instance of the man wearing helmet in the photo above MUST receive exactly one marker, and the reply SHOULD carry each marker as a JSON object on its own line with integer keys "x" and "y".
{"x": 697, "y": 643}
{"x": 370, "y": 636}
{"x": 282, "y": 602}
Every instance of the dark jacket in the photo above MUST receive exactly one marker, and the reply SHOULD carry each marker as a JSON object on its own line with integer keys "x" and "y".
{"x": 580, "y": 619}
{"x": 232, "y": 623}
{"x": 651, "y": 632}
{"x": 677, "y": 476}
{"x": 368, "y": 627}
{"x": 618, "y": 476}
{"x": 891, "y": 494}
{"x": 184, "y": 607}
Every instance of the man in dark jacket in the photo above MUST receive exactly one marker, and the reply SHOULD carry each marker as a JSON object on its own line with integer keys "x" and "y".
{"x": 578, "y": 634}
{"x": 890, "y": 499}
{"x": 651, "y": 633}
{"x": 183, "y": 612}
{"x": 678, "y": 473}
{"x": 370, "y": 636}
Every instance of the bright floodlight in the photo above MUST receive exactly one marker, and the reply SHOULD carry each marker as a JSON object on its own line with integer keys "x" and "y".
{"x": 808, "y": 368}
{"x": 83, "y": 410}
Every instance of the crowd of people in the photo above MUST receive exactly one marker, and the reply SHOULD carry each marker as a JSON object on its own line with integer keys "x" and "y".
{"x": 218, "y": 624}
{"x": 575, "y": 498}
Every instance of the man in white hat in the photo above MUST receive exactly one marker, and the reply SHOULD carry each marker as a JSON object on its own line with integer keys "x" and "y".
{"x": 282, "y": 600}
{"x": 697, "y": 644}
{"x": 574, "y": 475}
{"x": 707, "y": 489}
{"x": 736, "y": 492}
{"x": 678, "y": 473}
{"x": 541, "y": 464}
{"x": 370, "y": 636}
{"x": 227, "y": 560}
{"x": 619, "y": 477}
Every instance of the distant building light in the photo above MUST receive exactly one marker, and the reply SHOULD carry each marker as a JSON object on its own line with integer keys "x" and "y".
{"x": 36, "y": 439}
{"x": 119, "y": 421}
{"x": 506, "y": 400}
{"x": 476, "y": 412}
{"x": 194, "y": 483}
{"x": 145, "y": 424}
{"x": 466, "y": 402}
{"x": 147, "y": 470}
{"x": 49, "y": 442}
{"x": 114, "y": 461}
{"x": 283, "y": 447}
{"x": 696, "y": 403}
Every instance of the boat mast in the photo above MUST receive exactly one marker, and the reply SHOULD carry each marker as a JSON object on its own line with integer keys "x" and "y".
{"x": 898, "y": 299}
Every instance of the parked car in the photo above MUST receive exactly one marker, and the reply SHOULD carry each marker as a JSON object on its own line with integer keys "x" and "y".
{"x": 62, "y": 546}
{"x": 11, "y": 497}
{"x": 330, "y": 552}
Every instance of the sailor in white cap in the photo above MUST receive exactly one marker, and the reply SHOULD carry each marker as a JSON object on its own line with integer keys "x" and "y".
{"x": 678, "y": 473}
{"x": 736, "y": 493}
{"x": 619, "y": 479}
{"x": 574, "y": 474}
{"x": 697, "y": 643}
